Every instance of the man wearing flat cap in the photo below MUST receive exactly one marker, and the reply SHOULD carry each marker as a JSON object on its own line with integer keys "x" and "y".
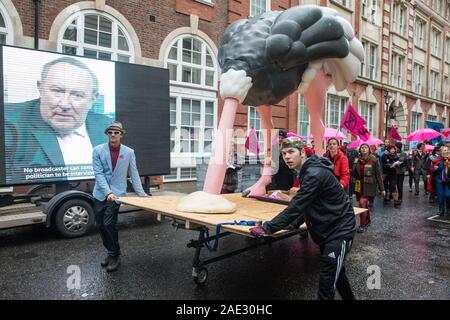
{"x": 323, "y": 204}
{"x": 113, "y": 162}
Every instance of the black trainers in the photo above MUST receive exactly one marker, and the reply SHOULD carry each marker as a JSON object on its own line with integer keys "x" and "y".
{"x": 303, "y": 234}
{"x": 114, "y": 264}
{"x": 105, "y": 262}
{"x": 416, "y": 193}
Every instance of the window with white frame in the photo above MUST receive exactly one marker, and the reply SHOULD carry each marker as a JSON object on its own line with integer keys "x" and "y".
{"x": 254, "y": 121}
{"x": 364, "y": 8}
{"x": 374, "y": 11}
{"x": 190, "y": 61}
{"x": 95, "y": 35}
{"x": 420, "y": 32}
{"x": 193, "y": 110}
{"x": 435, "y": 83}
{"x": 418, "y": 83}
{"x": 399, "y": 18}
{"x": 369, "y": 68}
{"x": 436, "y": 5}
{"x": 416, "y": 121}
{"x": 192, "y": 123}
{"x": 362, "y": 70}
{"x": 369, "y": 10}
{"x": 448, "y": 49}
{"x": 258, "y": 7}
{"x": 336, "y": 107}
{"x": 181, "y": 174}
{"x": 304, "y": 119}
{"x": 446, "y": 89}
{"x": 367, "y": 112}
{"x": 345, "y": 3}
{"x": 431, "y": 117}
{"x": 6, "y": 27}
{"x": 435, "y": 42}
{"x": 397, "y": 70}
{"x": 3, "y": 29}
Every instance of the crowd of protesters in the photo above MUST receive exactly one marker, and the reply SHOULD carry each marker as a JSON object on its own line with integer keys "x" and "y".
{"x": 370, "y": 170}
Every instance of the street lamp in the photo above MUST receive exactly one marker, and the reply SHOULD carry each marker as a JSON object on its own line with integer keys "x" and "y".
{"x": 387, "y": 99}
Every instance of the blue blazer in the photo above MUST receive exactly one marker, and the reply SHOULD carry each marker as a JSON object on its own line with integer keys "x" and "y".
{"x": 107, "y": 180}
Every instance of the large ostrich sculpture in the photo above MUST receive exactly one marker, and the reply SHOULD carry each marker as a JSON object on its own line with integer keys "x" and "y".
{"x": 264, "y": 59}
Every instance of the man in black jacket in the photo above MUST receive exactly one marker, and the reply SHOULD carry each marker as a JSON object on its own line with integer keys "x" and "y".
{"x": 327, "y": 210}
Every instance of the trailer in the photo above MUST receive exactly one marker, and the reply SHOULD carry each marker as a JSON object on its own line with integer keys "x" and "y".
{"x": 248, "y": 209}
{"x": 67, "y": 208}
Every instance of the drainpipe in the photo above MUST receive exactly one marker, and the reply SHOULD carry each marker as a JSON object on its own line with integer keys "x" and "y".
{"x": 36, "y": 23}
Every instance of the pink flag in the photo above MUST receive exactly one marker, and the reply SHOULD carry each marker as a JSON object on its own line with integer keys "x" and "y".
{"x": 446, "y": 134}
{"x": 251, "y": 144}
{"x": 355, "y": 124}
{"x": 394, "y": 135}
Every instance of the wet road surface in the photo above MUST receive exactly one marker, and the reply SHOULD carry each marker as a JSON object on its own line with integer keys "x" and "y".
{"x": 411, "y": 252}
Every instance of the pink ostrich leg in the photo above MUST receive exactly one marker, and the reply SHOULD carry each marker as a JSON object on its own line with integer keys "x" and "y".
{"x": 259, "y": 188}
{"x": 218, "y": 162}
{"x": 315, "y": 102}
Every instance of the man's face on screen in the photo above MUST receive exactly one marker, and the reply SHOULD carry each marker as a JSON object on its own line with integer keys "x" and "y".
{"x": 66, "y": 97}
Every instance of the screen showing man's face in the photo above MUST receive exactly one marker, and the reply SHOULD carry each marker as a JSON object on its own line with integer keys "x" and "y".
{"x": 66, "y": 97}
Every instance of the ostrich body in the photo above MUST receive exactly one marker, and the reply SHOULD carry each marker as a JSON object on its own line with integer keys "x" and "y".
{"x": 265, "y": 59}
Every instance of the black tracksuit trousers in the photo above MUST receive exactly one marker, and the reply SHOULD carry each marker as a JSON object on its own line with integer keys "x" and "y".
{"x": 332, "y": 270}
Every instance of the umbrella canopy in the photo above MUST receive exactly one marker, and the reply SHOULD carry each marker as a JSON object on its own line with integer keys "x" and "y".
{"x": 330, "y": 133}
{"x": 293, "y": 134}
{"x": 371, "y": 142}
{"x": 423, "y": 134}
{"x": 429, "y": 147}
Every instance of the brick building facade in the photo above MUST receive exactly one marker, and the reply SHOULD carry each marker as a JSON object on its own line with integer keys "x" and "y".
{"x": 407, "y": 48}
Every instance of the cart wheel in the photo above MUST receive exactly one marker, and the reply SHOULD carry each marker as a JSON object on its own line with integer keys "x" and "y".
{"x": 201, "y": 276}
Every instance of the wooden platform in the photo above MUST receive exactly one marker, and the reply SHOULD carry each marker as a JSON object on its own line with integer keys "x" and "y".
{"x": 247, "y": 209}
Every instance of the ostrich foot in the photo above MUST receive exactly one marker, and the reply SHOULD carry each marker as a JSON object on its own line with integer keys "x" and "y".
{"x": 259, "y": 188}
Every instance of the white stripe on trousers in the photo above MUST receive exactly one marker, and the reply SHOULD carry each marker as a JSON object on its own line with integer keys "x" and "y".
{"x": 340, "y": 262}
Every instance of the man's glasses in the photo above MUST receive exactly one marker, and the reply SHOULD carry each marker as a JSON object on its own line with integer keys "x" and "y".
{"x": 113, "y": 132}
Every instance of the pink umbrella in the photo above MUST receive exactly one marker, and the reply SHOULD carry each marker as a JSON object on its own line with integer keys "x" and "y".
{"x": 423, "y": 134}
{"x": 293, "y": 134}
{"x": 289, "y": 134}
{"x": 330, "y": 133}
{"x": 429, "y": 147}
{"x": 359, "y": 142}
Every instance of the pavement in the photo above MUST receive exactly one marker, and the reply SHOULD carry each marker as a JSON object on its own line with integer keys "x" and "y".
{"x": 409, "y": 253}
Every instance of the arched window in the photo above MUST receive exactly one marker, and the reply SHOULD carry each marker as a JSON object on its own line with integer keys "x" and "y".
{"x": 6, "y": 32}
{"x": 95, "y": 35}
{"x": 193, "y": 111}
{"x": 190, "y": 61}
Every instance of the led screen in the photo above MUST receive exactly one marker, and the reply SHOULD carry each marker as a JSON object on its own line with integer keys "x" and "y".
{"x": 55, "y": 109}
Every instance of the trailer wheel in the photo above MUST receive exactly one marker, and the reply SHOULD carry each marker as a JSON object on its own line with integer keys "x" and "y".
{"x": 74, "y": 218}
{"x": 201, "y": 276}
